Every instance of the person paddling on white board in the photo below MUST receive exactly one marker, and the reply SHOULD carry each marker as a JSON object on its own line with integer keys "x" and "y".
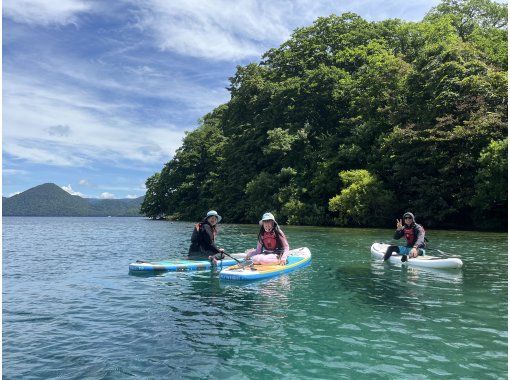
{"x": 203, "y": 239}
{"x": 414, "y": 234}
{"x": 272, "y": 245}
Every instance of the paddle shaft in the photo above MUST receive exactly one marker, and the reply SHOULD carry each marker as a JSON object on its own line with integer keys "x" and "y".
{"x": 241, "y": 265}
{"x": 232, "y": 257}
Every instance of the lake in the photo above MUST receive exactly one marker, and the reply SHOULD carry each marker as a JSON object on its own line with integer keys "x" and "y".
{"x": 71, "y": 309}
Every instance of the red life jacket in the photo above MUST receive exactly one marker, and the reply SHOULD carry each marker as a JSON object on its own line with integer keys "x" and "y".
{"x": 270, "y": 241}
{"x": 409, "y": 235}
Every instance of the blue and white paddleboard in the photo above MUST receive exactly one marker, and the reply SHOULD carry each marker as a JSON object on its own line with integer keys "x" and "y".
{"x": 181, "y": 264}
{"x": 297, "y": 258}
{"x": 379, "y": 249}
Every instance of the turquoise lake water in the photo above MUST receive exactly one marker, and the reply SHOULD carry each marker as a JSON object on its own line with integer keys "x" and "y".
{"x": 72, "y": 310}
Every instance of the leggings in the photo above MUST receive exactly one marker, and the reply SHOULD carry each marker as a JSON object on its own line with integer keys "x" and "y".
{"x": 265, "y": 259}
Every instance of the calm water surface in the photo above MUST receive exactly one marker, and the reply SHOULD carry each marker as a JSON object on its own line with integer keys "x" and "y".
{"x": 71, "y": 309}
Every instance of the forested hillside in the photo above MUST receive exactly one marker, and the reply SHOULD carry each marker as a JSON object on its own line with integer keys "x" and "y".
{"x": 50, "y": 200}
{"x": 351, "y": 122}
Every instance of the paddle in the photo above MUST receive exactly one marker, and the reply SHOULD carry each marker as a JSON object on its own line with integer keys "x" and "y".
{"x": 443, "y": 252}
{"x": 241, "y": 264}
{"x": 232, "y": 257}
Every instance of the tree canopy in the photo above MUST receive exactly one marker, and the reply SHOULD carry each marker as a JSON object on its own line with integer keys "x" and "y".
{"x": 352, "y": 122}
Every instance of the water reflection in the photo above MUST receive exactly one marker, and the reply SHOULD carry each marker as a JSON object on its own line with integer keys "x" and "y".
{"x": 216, "y": 319}
{"x": 270, "y": 295}
{"x": 411, "y": 274}
{"x": 386, "y": 285}
{"x": 380, "y": 288}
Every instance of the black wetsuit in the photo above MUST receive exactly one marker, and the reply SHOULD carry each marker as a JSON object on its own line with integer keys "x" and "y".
{"x": 203, "y": 242}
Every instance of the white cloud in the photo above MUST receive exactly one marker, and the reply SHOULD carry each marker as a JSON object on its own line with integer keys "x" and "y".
{"x": 12, "y": 194}
{"x": 227, "y": 30}
{"x": 14, "y": 171}
{"x": 107, "y": 195}
{"x": 40, "y": 152}
{"x": 69, "y": 189}
{"x": 214, "y": 29}
{"x": 44, "y": 12}
{"x": 84, "y": 182}
{"x": 94, "y": 130}
{"x": 164, "y": 83}
{"x": 129, "y": 196}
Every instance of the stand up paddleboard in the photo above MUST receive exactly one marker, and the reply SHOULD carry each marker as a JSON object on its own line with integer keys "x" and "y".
{"x": 181, "y": 264}
{"x": 379, "y": 249}
{"x": 297, "y": 258}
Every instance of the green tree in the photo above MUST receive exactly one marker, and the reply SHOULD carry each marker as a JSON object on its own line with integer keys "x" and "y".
{"x": 190, "y": 178}
{"x": 363, "y": 201}
{"x": 153, "y": 205}
{"x": 468, "y": 15}
{"x": 413, "y": 103}
{"x": 491, "y": 187}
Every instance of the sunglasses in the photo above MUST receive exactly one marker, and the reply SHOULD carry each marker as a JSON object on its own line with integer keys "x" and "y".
{"x": 408, "y": 217}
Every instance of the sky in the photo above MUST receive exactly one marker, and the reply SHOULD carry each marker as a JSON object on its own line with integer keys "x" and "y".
{"x": 97, "y": 95}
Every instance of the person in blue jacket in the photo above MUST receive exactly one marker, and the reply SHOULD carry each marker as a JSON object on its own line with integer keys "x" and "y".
{"x": 414, "y": 235}
{"x": 203, "y": 239}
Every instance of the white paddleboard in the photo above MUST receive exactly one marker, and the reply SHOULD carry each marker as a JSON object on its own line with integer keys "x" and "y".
{"x": 379, "y": 249}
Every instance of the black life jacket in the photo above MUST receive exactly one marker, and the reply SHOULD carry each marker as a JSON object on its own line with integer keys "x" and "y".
{"x": 197, "y": 236}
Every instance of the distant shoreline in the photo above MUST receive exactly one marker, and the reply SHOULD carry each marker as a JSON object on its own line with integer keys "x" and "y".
{"x": 75, "y": 216}
{"x": 287, "y": 226}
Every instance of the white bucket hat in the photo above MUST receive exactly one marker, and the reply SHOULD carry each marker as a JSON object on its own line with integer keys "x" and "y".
{"x": 213, "y": 213}
{"x": 267, "y": 216}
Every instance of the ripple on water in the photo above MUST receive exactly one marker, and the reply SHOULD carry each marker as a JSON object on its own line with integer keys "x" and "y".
{"x": 76, "y": 313}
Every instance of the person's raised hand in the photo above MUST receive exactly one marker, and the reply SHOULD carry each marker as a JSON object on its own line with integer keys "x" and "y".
{"x": 399, "y": 224}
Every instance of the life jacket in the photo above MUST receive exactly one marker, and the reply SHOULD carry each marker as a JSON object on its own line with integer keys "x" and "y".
{"x": 411, "y": 234}
{"x": 270, "y": 241}
{"x": 197, "y": 236}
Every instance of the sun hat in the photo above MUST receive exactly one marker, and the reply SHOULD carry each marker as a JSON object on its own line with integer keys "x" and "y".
{"x": 267, "y": 216}
{"x": 213, "y": 213}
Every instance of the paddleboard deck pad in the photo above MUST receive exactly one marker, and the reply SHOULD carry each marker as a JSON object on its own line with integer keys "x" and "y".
{"x": 379, "y": 249}
{"x": 297, "y": 258}
{"x": 181, "y": 264}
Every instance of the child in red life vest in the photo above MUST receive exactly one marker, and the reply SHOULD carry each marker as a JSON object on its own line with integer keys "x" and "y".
{"x": 272, "y": 245}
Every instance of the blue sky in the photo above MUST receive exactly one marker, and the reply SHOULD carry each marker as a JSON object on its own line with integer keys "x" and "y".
{"x": 97, "y": 95}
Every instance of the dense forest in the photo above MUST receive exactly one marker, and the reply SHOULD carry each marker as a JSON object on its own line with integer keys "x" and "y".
{"x": 352, "y": 122}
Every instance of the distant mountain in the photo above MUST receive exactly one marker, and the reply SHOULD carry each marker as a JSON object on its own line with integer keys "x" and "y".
{"x": 50, "y": 200}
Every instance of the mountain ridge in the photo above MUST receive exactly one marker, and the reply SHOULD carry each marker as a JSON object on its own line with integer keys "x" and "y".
{"x": 49, "y": 199}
